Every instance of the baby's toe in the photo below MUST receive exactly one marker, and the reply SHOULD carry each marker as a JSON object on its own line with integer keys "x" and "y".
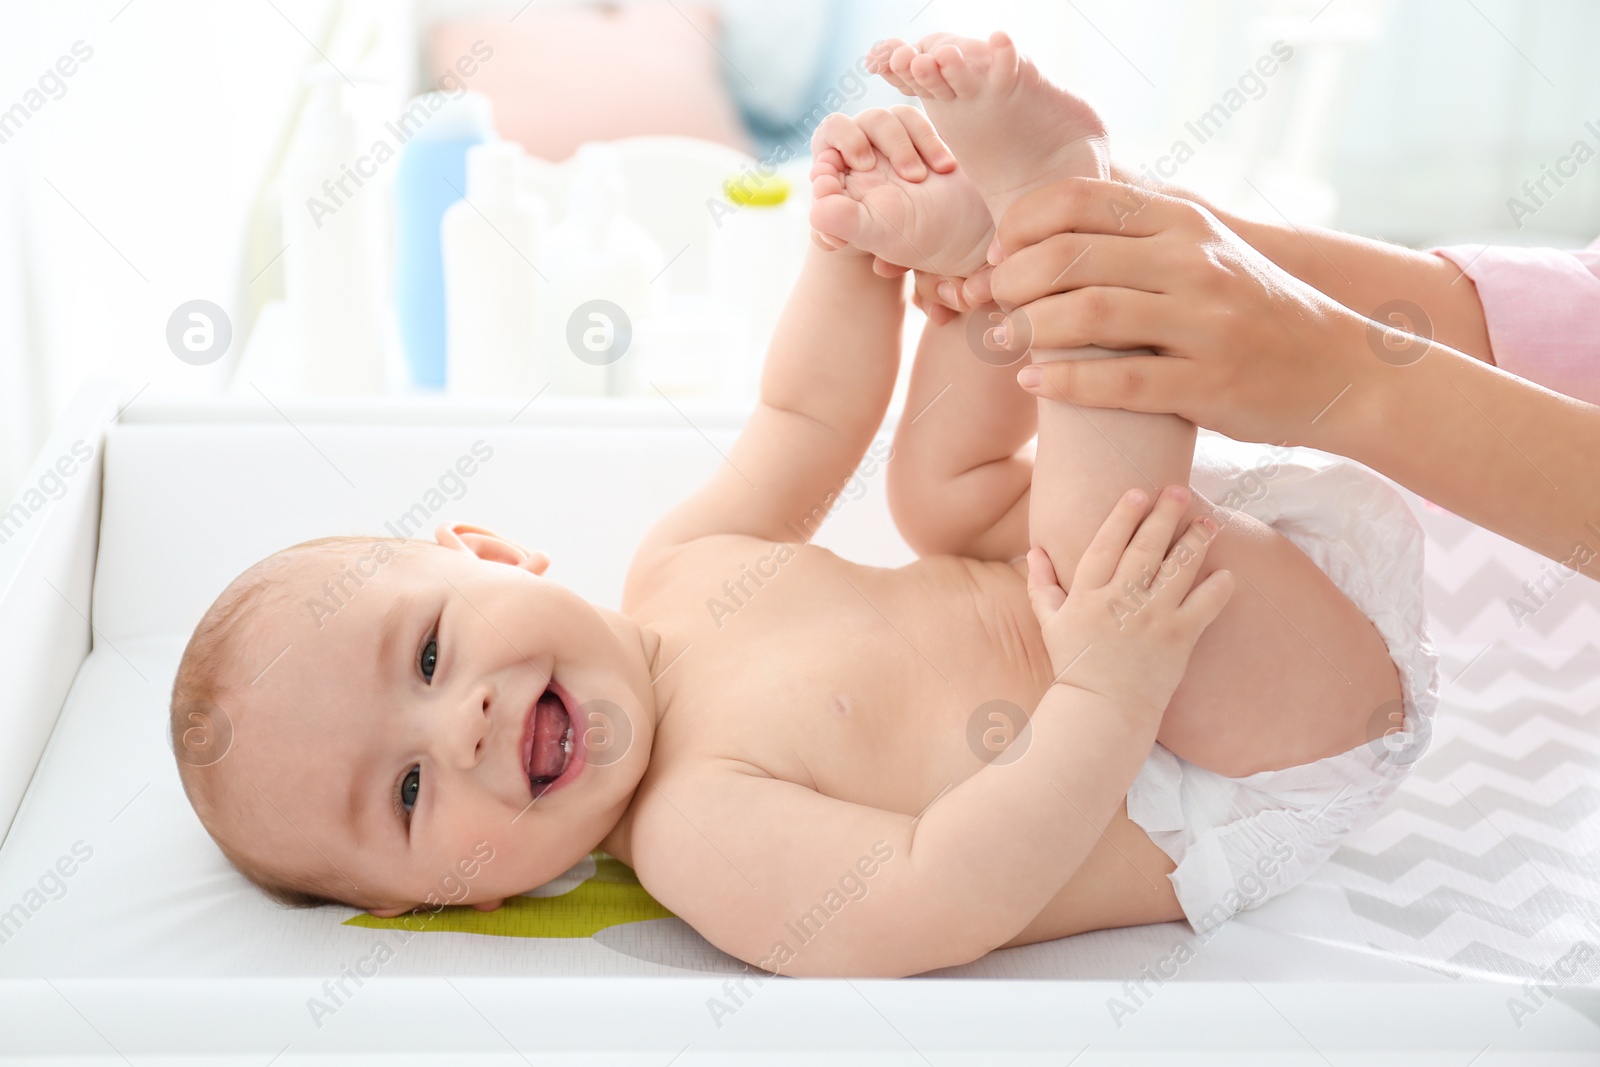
{"x": 878, "y": 55}
{"x": 880, "y": 62}
{"x": 839, "y": 217}
{"x": 1003, "y": 61}
{"x": 827, "y": 161}
{"x": 925, "y": 69}
{"x": 960, "y": 75}
{"x": 900, "y": 63}
{"x": 826, "y": 184}
{"x": 935, "y": 41}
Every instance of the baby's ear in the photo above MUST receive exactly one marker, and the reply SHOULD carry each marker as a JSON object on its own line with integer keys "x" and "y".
{"x": 489, "y": 905}
{"x": 488, "y": 545}
{"x": 388, "y": 913}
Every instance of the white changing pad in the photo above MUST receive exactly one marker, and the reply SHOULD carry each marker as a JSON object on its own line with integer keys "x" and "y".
{"x": 1485, "y": 864}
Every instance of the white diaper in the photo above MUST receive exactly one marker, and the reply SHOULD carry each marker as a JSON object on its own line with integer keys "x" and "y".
{"x": 1240, "y": 841}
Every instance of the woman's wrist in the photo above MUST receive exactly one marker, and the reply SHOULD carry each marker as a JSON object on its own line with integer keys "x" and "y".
{"x": 1361, "y": 415}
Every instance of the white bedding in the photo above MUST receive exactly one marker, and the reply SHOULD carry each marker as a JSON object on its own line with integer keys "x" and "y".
{"x": 1487, "y": 864}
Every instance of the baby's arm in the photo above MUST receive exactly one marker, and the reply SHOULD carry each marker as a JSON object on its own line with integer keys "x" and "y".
{"x": 794, "y": 881}
{"x": 824, "y": 389}
{"x": 836, "y": 350}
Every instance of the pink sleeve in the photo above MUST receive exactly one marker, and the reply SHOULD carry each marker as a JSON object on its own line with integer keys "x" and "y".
{"x": 1542, "y": 308}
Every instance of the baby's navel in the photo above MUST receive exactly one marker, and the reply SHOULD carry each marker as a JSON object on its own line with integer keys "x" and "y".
{"x": 841, "y": 704}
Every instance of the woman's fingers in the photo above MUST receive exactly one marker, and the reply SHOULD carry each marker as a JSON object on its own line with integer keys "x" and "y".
{"x": 1133, "y": 383}
{"x": 1067, "y": 261}
{"x": 1107, "y": 316}
{"x": 977, "y": 290}
{"x": 1098, "y": 564}
{"x": 925, "y": 289}
{"x": 884, "y": 269}
{"x": 930, "y": 294}
{"x": 1089, "y": 205}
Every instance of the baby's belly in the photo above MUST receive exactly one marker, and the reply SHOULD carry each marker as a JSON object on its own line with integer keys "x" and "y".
{"x": 931, "y": 671}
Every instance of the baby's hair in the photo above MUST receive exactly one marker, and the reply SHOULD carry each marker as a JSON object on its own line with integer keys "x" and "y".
{"x": 202, "y": 732}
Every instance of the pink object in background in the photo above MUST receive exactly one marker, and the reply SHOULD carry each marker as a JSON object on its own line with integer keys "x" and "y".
{"x": 1542, "y": 308}
{"x": 564, "y": 76}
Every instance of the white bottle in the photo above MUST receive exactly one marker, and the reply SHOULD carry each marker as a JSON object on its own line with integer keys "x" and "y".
{"x": 491, "y": 281}
{"x": 756, "y": 252}
{"x": 601, "y": 267}
{"x": 331, "y": 278}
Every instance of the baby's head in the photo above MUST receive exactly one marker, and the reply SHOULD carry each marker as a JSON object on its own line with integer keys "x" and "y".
{"x": 367, "y": 720}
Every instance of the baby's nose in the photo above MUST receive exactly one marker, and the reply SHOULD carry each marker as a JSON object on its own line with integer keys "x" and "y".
{"x": 475, "y": 726}
{"x": 484, "y": 735}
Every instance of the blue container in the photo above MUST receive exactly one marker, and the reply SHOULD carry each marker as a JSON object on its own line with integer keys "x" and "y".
{"x": 436, "y": 129}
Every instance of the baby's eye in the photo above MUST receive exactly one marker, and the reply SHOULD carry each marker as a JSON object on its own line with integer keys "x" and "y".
{"x": 430, "y": 658}
{"x": 410, "y": 786}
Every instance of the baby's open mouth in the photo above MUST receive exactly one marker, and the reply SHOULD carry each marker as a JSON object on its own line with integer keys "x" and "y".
{"x": 546, "y": 741}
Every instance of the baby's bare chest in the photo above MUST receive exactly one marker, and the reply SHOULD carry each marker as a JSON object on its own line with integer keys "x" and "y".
{"x": 880, "y": 687}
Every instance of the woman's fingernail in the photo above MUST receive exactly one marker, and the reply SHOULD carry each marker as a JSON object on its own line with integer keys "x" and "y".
{"x": 946, "y": 291}
{"x": 1030, "y": 376}
{"x": 999, "y": 334}
{"x": 993, "y": 254}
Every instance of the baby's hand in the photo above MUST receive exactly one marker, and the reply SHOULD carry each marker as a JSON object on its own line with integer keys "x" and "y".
{"x": 1126, "y": 629}
{"x": 885, "y": 184}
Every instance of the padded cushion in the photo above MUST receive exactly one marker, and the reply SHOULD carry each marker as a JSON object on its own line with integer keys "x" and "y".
{"x": 1483, "y": 865}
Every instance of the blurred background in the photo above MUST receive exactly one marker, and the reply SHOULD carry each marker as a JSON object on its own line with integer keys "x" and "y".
{"x": 276, "y": 198}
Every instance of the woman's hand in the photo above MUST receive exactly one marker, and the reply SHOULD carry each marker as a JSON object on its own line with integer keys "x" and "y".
{"x": 1133, "y": 616}
{"x": 1240, "y": 345}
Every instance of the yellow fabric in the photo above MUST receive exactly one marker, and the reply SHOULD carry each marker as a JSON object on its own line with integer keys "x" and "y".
{"x": 610, "y": 898}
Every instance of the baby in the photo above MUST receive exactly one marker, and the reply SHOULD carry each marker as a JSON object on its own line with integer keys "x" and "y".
{"x": 990, "y": 746}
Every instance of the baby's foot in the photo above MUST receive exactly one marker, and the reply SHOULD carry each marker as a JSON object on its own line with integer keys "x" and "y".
{"x": 939, "y": 224}
{"x": 1012, "y": 129}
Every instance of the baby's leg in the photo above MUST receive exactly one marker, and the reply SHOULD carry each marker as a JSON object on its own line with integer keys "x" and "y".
{"x": 1291, "y": 671}
{"x": 1014, "y": 131}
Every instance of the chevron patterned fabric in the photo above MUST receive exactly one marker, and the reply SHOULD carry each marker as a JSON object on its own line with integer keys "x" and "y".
{"x": 1487, "y": 861}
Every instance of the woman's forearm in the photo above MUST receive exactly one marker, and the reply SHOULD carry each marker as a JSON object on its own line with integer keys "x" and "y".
{"x": 1377, "y": 279}
{"x": 1499, "y": 451}
{"x": 1369, "y": 277}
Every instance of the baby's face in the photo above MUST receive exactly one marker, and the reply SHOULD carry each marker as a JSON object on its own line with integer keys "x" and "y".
{"x": 419, "y": 726}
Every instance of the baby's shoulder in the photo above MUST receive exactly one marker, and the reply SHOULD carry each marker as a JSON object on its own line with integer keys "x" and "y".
{"x": 659, "y": 573}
